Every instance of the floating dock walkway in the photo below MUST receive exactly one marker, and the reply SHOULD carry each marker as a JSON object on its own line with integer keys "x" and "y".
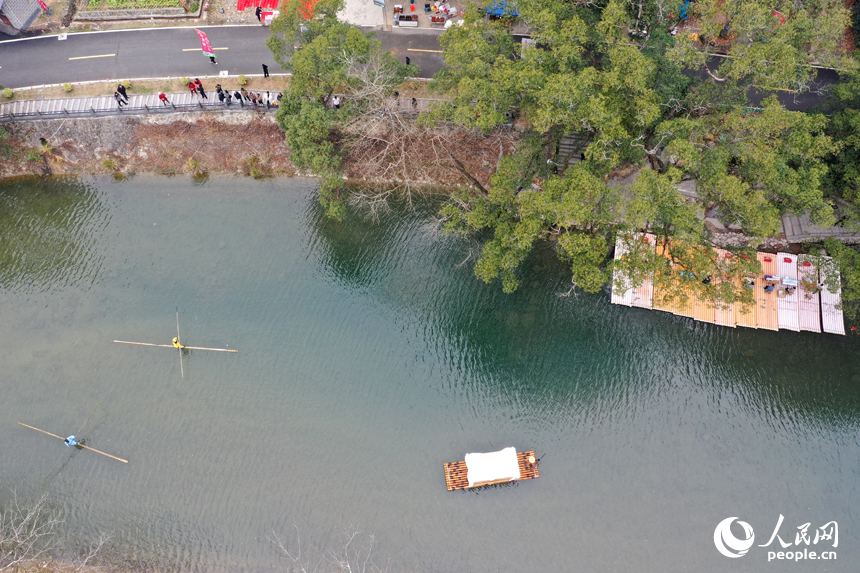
{"x": 789, "y": 305}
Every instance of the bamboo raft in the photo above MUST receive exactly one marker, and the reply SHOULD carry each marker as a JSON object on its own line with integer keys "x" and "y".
{"x": 456, "y": 473}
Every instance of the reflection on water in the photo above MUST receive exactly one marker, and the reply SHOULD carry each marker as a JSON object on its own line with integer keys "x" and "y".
{"x": 369, "y": 355}
{"x": 48, "y": 228}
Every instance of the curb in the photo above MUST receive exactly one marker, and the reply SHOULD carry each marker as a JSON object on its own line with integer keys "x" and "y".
{"x": 150, "y": 29}
{"x": 109, "y": 81}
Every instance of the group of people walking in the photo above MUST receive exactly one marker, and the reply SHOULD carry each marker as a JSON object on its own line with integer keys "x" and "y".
{"x": 241, "y": 95}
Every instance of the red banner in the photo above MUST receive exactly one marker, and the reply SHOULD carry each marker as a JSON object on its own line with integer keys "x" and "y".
{"x": 204, "y": 43}
{"x": 43, "y": 5}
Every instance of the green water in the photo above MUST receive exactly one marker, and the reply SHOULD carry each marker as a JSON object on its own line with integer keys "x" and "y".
{"x": 369, "y": 356}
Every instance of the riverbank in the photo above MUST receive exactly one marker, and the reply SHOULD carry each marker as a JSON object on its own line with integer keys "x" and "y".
{"x": 245, "y": 143}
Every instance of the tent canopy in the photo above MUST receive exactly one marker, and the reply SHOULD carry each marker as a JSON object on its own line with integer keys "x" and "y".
{"x": 502, "y": 8}
{"x": 492, "y": 467}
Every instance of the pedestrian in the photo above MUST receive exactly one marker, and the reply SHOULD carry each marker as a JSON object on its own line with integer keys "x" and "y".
{"x": 259, "y": 13}
{"x": 336, "y": 102}
{"x": 218, "y": 88}
{"x": 238, "y": 97}
{"x": 200, "y": 88}
{"x": 163, "y": 98}
{"x": 121, "y": 89}
{"x": 193, "y": 88}
{"x": 228, "y": 97}
{"x": 245, "y": 94}
{"x": 280, "y": 95}
{"x": 265, "y": 71}
{"x": 408, "y": 61}
{"x": 119, "y": 101}
{"x": 414, "y": 102}
{"x": 253, "y": 98}
{"x": 221, "y": 97}
{"x": 396, "y": 94}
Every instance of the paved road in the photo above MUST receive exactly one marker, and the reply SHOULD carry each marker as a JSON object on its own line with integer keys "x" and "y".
{"x": 171, "y": 52}
{"x": 176, "y": 52}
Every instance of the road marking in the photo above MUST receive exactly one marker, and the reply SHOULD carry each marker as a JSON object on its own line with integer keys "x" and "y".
{"x": 198, "y": 49}
{"x": 417, "y": 50}
{"x": 87, "y": 57}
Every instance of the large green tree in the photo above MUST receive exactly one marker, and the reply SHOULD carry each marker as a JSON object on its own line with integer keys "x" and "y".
{"x": 756, "y": 166}
{"x": 769, "y": 45}
{"x": 328, "y": 56}
{"x": 610, "y": 75}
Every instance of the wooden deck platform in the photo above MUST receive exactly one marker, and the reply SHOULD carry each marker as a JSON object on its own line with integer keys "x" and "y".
{"x": 724, "y": 314}
{"x": 766, "y": 313}
{"x": 809, "y": 301}
{"x": 456, "y": 472}
{"x": 643, "y": 295}
{"x": 789, "y": 314}
{"x": 620, "y": 295}
{"x": 802, "y": 309}
{"x": 832, "y": 320}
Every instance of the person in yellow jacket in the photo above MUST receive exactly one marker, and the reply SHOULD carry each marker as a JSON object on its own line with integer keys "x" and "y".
{"x": 176, "y": 343}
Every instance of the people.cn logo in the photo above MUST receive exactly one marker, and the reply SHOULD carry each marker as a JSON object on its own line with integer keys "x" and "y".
{"x": 727, "y": 543}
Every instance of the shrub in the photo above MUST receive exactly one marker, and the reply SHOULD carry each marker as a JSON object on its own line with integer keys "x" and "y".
{"x": 108, "y": 164}
{"x": 243, "y": 81}
{"x": 8, "y": 93}
{"x": 126, "y": 83}
{"x": 193, "y": 167}
{"x": 184, "y": 81}
{"x": 67, "y": 87}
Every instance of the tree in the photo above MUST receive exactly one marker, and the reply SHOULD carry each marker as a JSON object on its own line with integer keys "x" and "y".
{"x": 326, "y": 56}
{"x": 846, "y": 261}
{"x": 297, "y": 26}
{"x": 26, "y": 532}
{"x": 765, "y": 49}
{"x": 583, "y": 77}
{"x": 754, "y": 167}
{"x": 842, "y": 182}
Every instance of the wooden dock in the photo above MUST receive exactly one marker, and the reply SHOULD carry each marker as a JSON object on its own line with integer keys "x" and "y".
{"x": 643, "y": 295}
{"x": 456, "y": 473}
{"x": 831, "y": 307}
{"x": 622, "y": 291}
{"x": 767, "y": 312}
{"x": 789, "y": 314}
{"x": 808, "y": 306}
{"x": 809, "y": 301}
{"x": 724, "y": 314}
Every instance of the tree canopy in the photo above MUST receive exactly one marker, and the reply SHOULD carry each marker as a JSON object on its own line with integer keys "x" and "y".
{"x": 618, "y": 103}
{"x": 328, "y": 56}
{"x": 610, "y": 76}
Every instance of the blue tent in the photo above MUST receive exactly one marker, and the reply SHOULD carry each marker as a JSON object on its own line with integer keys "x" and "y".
{"x": 501, "y": 8}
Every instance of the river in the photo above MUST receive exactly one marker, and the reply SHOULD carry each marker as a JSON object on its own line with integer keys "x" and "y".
{"x": 369, "y": 355}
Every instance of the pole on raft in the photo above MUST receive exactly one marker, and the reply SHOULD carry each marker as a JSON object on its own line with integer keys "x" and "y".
{"x": 81, "y": 445}
{"x": 172, "y": 346}
{"x": 179, "y": 344}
